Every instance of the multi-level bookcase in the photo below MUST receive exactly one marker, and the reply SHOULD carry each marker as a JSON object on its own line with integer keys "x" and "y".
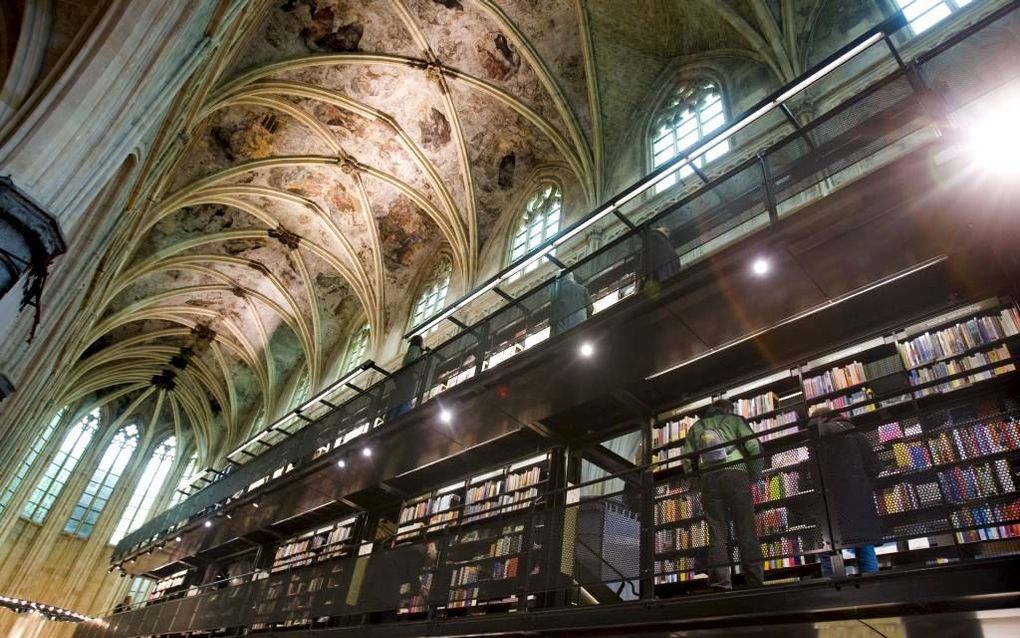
{"x": 323, "y": 543}
{"x": 951, "y": 456}
{"x": 481, "y": 544}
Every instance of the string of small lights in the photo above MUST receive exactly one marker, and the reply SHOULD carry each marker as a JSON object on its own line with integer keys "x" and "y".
{"x": 58, "y": 614}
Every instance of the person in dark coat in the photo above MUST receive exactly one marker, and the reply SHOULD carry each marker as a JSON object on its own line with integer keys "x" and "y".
{"x": 659, "y": 260}
{"x": 571, "y": 304}
{"x": 407, "y": 381}
{"x": 122, "y": 606}
{"x": 848, "y": 465}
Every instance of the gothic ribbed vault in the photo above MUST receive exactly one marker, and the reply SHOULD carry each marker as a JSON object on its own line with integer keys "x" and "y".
{"x": 347, "y": 143}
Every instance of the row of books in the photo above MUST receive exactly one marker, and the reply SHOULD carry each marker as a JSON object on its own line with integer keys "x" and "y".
{"x": 509, "y": 483}
{"x": 772, "y": 521}
{"x": 471, "y": 574}
{"x": 1004, "y": 515}
{"x": 676, "y": 487}
{"x": 688, "y": 537}
{"x": 856, "y": 398}
{"x": 838, "y": 378}
{"x": 912, "y": 455}
{"x": 988, "y": 437}
{"x": 999, "y": 532}
{"x": 943, "y": 369}
{"x": 168, "y": 584}
{"x": 672, "y": 431}
{"x": 778, "y": 485}
{"x": 768, "y": 429}
{"x": 661, "y": 456}
{"x": 503, "y": 546}
{"x": 961, "y": 484}
{"x": 292, "y": 554}
{"x": 424, "y": 507}
{"x": 786, "y": 458}
{"x": 676, "y": 570}
{"x": 753, "y": 406}
{"x": 674, "y": 510}
{"x": 895, "y": 431}
{"x": 505, "y": 503}
{"x": 786, "y": 550}
{"x": 904, "y": 497}
{"x": 955, "y": 340}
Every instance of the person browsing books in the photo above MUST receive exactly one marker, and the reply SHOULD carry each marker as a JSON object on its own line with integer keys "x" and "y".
{"x": 723, "y": 455}
{"x": 849, "y": 465}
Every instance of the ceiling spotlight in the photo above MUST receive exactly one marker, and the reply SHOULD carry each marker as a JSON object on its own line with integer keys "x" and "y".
{"x": 341, "y": 464}
{"x": 255, "y": 505}
{"x": 229, "y": 516}
{"x": 760, "y": 266}
{"x": 208, "y": 523}
{"x": 445, "y": 416}
{"x": 366, "y": 452}
{"x": 587, "y": 349}
{"x": 178, "y": 539}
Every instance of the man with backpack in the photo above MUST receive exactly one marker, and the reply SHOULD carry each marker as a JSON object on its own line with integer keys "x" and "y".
{"x": 725, "y": 459}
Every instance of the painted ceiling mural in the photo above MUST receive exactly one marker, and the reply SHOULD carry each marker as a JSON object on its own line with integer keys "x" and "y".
{"x": 347, "y": 143}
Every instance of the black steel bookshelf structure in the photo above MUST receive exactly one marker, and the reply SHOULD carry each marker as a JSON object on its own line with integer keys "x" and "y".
{"x": 347, "y": 517}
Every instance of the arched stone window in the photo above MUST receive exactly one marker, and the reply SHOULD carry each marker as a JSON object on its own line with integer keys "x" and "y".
{"x": 149, "y": 486}
{"x": 433, "y": 294}
{"x": 690, "y": 112}
{"x": 301, "y": 391}
{"x": 29, "y": 460}
{"x": 921, "y": 15}
{"x": 539, "y": 221}
{"x": 104, "y": 479}
{"x": 357, "y": 346}
{"x": 72, "y": 448}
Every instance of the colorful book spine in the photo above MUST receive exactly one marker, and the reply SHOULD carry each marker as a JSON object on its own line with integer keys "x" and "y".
{"x": 838, "y": 378}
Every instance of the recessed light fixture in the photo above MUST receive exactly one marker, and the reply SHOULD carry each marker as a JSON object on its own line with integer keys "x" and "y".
{"x": 445, "y": 415}
{"x": 587, "y": 349}
{"x": 341, "y": 463}
{"x": 255, "y": 505}
{"x": 760, "y": 266}
{"x": 208, "y": 523}
{"x": 366, "y": 452}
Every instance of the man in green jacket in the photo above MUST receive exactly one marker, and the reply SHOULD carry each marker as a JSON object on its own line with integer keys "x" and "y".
{"x": 724, "y": 457}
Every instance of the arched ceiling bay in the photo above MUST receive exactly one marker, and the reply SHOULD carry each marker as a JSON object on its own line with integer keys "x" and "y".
{"x": 345, "y": 145}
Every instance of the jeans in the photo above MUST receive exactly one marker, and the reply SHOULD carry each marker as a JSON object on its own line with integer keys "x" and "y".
{"x": 726, "y": 498}
{"x": 867, "y": 561}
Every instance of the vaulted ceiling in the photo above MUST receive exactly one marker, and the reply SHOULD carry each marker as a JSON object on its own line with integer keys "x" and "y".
{"x": 347, "y": 143}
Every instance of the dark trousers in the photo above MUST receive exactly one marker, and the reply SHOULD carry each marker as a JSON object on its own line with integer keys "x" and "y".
{"x": 726, "y": 498}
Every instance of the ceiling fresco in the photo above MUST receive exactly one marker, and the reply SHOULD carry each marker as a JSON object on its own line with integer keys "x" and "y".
{"x": 347, "y": 143}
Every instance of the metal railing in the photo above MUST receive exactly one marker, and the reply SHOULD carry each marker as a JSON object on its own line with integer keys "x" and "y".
{"x": 721, "y": 202}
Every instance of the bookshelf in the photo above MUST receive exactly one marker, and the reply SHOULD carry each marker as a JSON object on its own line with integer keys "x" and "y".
{"x": 481, "y": 553}
{"x": 324, "y": 543}
{"x": 430, "y": 512}
{"x": 950, "y": 474}
{"x": 167, "y": 586}
{"x": 500, "y": 491}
